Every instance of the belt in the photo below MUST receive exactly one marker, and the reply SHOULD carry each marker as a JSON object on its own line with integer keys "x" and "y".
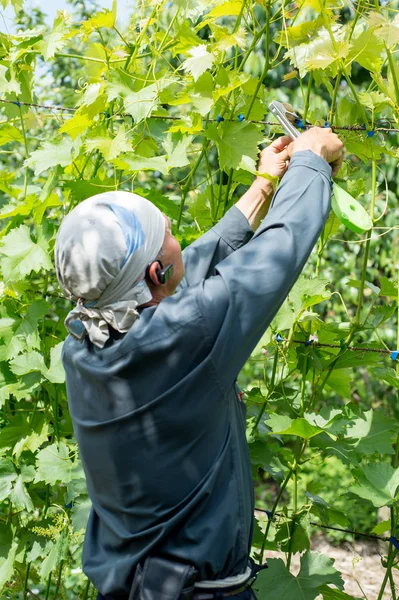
{"x": 221, "y": 593}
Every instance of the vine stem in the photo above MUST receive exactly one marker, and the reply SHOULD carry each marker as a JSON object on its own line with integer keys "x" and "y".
{"x": 391, "y": 558}
{"x": 25, "y": 590}
{"x": 271, "y": 389}
{"x": 356, "y": 321}
{"x": 367, "y": 247}
{"x": 393, "y": 73}
{"x": 87, "y": 589}
{"x": 205, "y": 146}
{"x": 307, "y": 99}
{"x": 26, "y": 149}
{"x": 48, "y": 587}
{"x": 59, "y": 579}
{"x": 274, "y": 508}
{"x": 277, "y": 500}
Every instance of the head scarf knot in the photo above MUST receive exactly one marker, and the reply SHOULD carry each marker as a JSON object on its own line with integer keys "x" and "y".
{"x": 103, "y": 248}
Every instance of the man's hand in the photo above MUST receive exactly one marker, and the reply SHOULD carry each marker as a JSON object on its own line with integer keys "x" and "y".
{"x": 274, "y": 159}
{"x": 323, "y": 142}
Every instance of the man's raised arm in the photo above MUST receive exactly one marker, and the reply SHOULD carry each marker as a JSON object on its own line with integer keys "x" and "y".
{"x": 237, "y": 226}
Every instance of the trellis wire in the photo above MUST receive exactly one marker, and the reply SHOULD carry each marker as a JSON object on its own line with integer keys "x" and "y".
{"x": 391, "y": 539}
{"x": 361, "y": 128}
{"x": 394, "y": 354}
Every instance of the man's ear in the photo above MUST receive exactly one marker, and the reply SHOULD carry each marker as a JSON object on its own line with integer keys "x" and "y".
{"x": 152, "y": 272}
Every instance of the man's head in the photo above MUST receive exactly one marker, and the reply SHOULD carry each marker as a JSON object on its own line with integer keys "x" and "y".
{"x": 107, "y": 254}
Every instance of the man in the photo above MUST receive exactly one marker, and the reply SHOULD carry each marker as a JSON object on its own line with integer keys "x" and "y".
{"x": 151, "y": 363}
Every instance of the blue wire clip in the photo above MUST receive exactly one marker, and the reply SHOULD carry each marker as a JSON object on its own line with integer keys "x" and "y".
{"x": 300, "y": 124}
{"x": 17, "y": 103}
{"x": 313, "y": 339}
{"x": 219, "y": 119}
{"x": 278, "y": 338}
{"x": 370, "y": 133}
{"x": 240, "y": 117}
{"x": 68, "y": 506}
{"x": 326, "y": 124}
{"x": 394, "y": 354}
{"x": 394, "y": 541}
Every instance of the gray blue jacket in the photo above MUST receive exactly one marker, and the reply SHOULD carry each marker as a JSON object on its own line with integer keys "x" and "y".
{"x": 156, "y": 413}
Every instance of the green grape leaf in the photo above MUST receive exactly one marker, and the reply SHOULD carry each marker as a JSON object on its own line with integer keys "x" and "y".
{"x": 341, "y": 382}
{"x": 33, "y": 439}
{"x": 319, "y": 53}
{"x": 334, "y": 594}
{"x": 200, "y": 61}
{"x": 367, "y": 50}
{"x": 7, "y": 566}
{"x": 373, "y": 431}
{"x": 76, "y": 125}
{"x": 377, "y": 482}
{"x": 27, "y": 363}
{"x": 20, "y": 255}
{"x": 53, "y": 464}
{"x": 105, "y": 18}
{"x": 382, "y": 527}
{"x": 80, "y": 190}
{"x": 55, "y": 40}
{"x": 110, "y": 148}
{"x": 57, "y": 553}
{"x": 384, "y": 28}
{"x": 299, "y": 34}
{"x": 50, "y": 154}
{"x": 235, "y": 141}
{"x": 8, "y": 86}
{"x": 80, "y": 513}
{"x": 285, "y": 317}
{"x": 294, "y": 536}
{"x": 20, "y": 497}
{"x": 55, "y": 373}
{"x": 9, "y": 133}
{"x": 7, "y": 477}
{"x": 308, "y": 292}
{"x": 26, "y": 334}
{"x": 263, "y": 456}
{"x": 358, "y": 359}
{"x": 133, "y": 162}
{"x": 91, "y": 92}
{"x": 389, "y": 288}
{"x": 138, "y": 104}
{"x": 5, "y": 539}
{"x": 226, "y": 9}
{"x": 388, "y": 375}
{"x": 300, "y": 427}
{"x": 278, "y": 582}
{"x": 176, "y": 148}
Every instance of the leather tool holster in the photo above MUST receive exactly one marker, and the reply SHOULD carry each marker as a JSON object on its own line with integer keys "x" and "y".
{"x": 162, "y": 579}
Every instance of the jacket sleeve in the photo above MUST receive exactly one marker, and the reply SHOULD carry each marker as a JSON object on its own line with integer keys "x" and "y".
{"x": 240, "y": 301}
{"x": 201, "y": 257}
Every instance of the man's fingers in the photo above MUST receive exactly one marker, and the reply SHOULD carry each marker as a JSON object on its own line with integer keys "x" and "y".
{"x": 281, "y": 142}
{"x": 284, "y": 155}
{"x": 336, "y": 165}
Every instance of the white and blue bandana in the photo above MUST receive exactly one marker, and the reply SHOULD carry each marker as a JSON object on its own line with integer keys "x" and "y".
{"x": 103, "y": 248}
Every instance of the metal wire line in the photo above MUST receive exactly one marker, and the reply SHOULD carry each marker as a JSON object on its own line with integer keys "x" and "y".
{"x": 360, "y": 128}
{"x": 368, "y": 535}
{"x": 339, "y": 346}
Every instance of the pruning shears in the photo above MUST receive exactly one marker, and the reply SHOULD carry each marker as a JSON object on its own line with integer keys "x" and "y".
{"x": 348, "y": 210}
